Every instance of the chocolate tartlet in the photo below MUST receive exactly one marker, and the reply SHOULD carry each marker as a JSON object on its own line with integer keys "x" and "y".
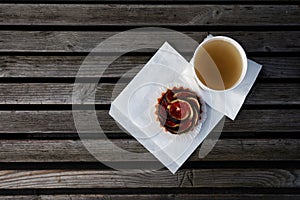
{"x": 179, "y": 110}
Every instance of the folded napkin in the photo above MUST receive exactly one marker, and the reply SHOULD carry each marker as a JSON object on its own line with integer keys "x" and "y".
{"x": 134, "y": 107}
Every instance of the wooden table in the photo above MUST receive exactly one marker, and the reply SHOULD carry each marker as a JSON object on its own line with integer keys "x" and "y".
{"x": 42, "y": 45}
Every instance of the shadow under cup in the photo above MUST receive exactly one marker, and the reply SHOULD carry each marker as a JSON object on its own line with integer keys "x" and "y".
{"x": 219, "y": 64}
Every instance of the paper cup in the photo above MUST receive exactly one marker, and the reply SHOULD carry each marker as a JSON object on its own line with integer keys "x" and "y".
{"x": 242, "y": 56}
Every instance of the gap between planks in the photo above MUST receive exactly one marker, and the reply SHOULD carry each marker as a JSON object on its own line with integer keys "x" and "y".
{"x": 167, "y": 196}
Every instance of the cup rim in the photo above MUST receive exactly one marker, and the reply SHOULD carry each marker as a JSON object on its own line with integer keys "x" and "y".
{"x": 240, "y": 50}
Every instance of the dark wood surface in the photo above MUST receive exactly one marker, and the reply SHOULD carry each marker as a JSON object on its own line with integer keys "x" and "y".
{"x": 54, "y": 66}
{"x": 85, "y": 14}
{"x": 158, "y": 197}
{"x": 74, "y": 151}
{"x": 44, "y": 42}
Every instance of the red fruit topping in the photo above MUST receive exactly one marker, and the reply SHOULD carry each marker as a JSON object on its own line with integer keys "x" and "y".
{"x": 179, "y": 109}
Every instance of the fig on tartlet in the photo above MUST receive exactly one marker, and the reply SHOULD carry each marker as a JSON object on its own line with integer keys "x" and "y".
{"x": 178, "y": 110}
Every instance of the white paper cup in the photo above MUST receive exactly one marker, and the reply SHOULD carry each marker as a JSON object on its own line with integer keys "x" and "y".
{"x": 242, "y": 56}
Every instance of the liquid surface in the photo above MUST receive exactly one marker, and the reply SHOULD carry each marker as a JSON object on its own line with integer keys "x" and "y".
{"x": 218, "y": 64}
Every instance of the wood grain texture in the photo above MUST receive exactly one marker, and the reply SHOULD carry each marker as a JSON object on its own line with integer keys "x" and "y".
{"x": 62, "y": 93}
{"x": 157, "y": 197}
{"x": 85, "y": 14}
{"x": 247, "y": 121}
{"x": 85, "y": 41}
{"x": 74, "y": 151}
{"x": 148, "y": 1}
{"x": 68, "y": 66}
{"x": 103, "y": 20}
{"x": 264, "y": 178}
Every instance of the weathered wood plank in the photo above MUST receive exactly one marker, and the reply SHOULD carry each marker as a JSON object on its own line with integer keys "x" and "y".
{"x": 158, "y": 197}
{"x": 83, "y": 41}
{"x": 68, "y": 66}
{"x": 74, "y": 151}
{"x": 79, "y": 14}
{"x": 264, "y": 178}
{"x": 247, "y": 121}
{"x": 61, "y": 93}
{"x": 151, "y": 1}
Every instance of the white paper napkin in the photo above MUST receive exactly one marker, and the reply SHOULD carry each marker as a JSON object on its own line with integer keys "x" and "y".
{"x": 134, "y": 109}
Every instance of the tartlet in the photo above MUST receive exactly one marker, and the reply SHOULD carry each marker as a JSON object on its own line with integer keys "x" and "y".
{"x": 178, "y": 110}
